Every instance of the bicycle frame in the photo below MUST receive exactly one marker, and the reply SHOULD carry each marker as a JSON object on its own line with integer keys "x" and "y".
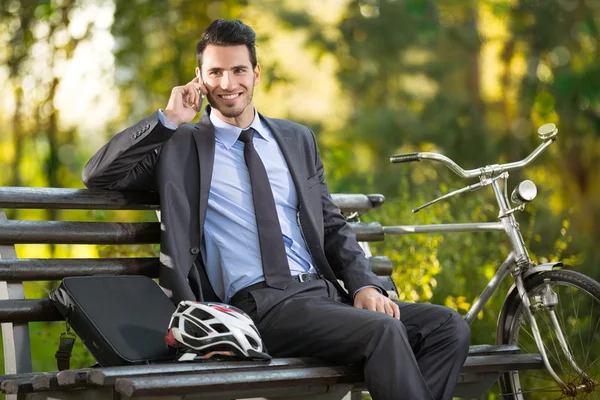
{"x": 517, "y": 262}
{"x": 507, "y": 224}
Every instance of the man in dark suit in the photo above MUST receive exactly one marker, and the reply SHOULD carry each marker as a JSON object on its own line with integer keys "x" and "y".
{"x": 215, "y": 242}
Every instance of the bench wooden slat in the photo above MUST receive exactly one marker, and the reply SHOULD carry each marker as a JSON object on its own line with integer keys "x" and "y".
{"x": 357, "y": 202}
{"x": 502, "y": 363}
{"x": 487, "y": 349}
{"x": 368, "y": 231}
{"x": 92, "y": 199}
{"x": 381, "y": 265}
{"x": 29, "y": 310}
{"x": 17, "y": 385}
{"x": 257, "y": 381}
{"x": 76, "y": 199}
{"x": 497, "y": 358}
{"x": 71, "y": 378}
{"x": 77, "y": 232}
{"x": 48, "y": 269}
{"x": 108, "y": 375}
{"x": 44, "y": 381}
{"x": 68, "y": 232}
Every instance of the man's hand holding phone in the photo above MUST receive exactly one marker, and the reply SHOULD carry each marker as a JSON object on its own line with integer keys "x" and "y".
{"x": 185, "y": 102}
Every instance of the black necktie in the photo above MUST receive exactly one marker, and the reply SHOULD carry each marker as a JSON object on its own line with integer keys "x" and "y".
{"x": 272, "y": 250}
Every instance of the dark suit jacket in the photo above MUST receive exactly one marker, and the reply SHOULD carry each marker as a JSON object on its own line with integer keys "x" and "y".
{"x": 179, "y": 164}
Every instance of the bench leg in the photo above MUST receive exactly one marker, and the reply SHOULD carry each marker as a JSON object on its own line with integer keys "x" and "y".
{"x": 15, "y": 337}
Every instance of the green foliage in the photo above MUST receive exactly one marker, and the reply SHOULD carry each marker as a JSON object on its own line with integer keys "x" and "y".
{"x": 471, "y": 80}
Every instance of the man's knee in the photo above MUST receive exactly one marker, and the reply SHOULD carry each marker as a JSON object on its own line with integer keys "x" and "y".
{"x": 461, "y": 331}
{"x": 386, "y": 326}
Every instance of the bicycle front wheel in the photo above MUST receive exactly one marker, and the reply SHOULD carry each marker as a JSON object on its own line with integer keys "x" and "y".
{"x": 578, "y": 315}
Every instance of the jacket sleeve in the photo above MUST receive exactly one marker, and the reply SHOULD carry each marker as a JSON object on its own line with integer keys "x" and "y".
{"x": 344, "y": 254}
{"x": 127, "y": 161}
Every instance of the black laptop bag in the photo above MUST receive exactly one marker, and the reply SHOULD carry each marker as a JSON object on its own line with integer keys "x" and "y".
{"x": 120, "y": 319}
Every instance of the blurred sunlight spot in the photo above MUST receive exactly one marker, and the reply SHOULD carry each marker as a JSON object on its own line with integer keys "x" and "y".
{"x": 415, "y": 56}
{"x": 87, "y": 97}
{"x": 495, "y": 34}
{"x": 544, "y": 73}
{"x": 311, "y": 92}
{"x": 420, "y": 85}
{"x": 369, "y": 10}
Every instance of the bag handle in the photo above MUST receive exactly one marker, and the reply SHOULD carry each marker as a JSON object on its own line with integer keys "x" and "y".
{"x": 65, "y": 348}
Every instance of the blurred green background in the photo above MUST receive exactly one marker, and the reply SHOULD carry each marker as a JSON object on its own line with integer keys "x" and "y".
{"x": 470, "y": 79}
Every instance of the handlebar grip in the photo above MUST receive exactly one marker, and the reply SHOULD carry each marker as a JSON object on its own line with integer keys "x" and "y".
{"x": 402, "y": 158}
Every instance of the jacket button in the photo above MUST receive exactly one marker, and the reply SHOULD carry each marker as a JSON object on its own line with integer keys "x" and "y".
{"x": 195, "y": 250}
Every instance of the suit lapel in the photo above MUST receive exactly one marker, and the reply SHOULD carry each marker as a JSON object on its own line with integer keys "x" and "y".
{"x": 204, "y": 135}
{"x": 294, "y": 156}
{"x": 292, "y": 153}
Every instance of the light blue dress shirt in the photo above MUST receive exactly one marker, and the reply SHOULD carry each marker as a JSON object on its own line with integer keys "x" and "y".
{"x": 229, "y": 250}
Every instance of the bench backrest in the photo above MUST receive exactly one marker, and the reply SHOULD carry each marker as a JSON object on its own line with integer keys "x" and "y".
{"x": 16, "y": 311}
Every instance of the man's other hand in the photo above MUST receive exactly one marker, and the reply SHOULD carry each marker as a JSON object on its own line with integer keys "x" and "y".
{"x": 185, "y": 102}
{"x": 371, "y": 299}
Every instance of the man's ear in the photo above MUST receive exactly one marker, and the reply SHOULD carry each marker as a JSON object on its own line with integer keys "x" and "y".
{"x": 199, "y": 73}
{"x": 257, "y": 74}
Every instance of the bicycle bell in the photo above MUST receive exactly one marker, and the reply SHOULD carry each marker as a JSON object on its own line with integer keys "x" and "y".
{"x": 524, "y": 192}
{"x": 547, "y": 131}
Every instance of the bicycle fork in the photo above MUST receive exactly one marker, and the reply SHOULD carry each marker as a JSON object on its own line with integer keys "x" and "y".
{"x": 546, "y": 302}
{"x": 549, "y": 298}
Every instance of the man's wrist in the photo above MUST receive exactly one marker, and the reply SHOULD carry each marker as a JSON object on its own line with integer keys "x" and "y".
{"x": 164, "y": 122}
{"x": 367, "y": 287}
{"x": 170, "y": 118}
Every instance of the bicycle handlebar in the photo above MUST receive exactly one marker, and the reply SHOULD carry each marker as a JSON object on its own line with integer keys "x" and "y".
{"x": 477, "y": 172}
{"x": 402, "y": 158}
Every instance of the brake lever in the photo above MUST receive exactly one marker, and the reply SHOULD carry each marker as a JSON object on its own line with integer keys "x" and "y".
{"x": 471, "y": 188}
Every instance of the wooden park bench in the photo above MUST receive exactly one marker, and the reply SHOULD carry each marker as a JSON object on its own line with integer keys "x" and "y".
{"x": 294, "y": 378}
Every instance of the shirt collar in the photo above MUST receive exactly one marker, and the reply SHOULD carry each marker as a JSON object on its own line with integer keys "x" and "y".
{"x": 228, "y": 134}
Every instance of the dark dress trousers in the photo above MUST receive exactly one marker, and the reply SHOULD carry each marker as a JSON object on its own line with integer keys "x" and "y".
{"x": 418, "y": 357}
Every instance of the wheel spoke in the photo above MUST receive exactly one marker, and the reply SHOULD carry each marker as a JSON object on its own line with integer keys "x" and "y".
{"x": 548, "y": 352}
{"x": 562, "y": 324}
{"x": 557, "y": 356}
{"x": 531, "y": 375}
{"x": 595, "y": 330}
{"x": 590, "y": 332}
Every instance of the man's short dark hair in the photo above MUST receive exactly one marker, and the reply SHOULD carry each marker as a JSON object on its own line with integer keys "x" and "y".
{"x": 223, "y": 32}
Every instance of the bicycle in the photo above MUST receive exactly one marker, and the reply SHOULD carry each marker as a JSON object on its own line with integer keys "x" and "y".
{"x": 548, "y": 309}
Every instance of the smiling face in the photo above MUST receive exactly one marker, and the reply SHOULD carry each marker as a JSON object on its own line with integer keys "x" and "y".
{"x": 229, "y": 78}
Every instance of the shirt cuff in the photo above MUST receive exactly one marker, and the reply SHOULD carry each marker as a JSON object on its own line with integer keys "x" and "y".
{"x": 161, "y": 118}
{"x": 364, "y": 287}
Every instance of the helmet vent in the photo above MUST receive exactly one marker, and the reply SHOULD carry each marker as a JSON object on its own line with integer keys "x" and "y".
{"x": 219, "y": 328}
{"x": 200, "y": 314}
{"x": 252, "y": 342}
{"x": 193, "y": 329}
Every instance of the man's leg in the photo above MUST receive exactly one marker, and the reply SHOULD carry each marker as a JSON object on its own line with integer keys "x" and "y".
{"x": 440, "y": 339}
{"x": 314, "y": 323}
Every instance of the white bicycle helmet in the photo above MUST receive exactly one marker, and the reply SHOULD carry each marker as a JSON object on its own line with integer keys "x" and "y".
{"x": 205, "y": 330}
